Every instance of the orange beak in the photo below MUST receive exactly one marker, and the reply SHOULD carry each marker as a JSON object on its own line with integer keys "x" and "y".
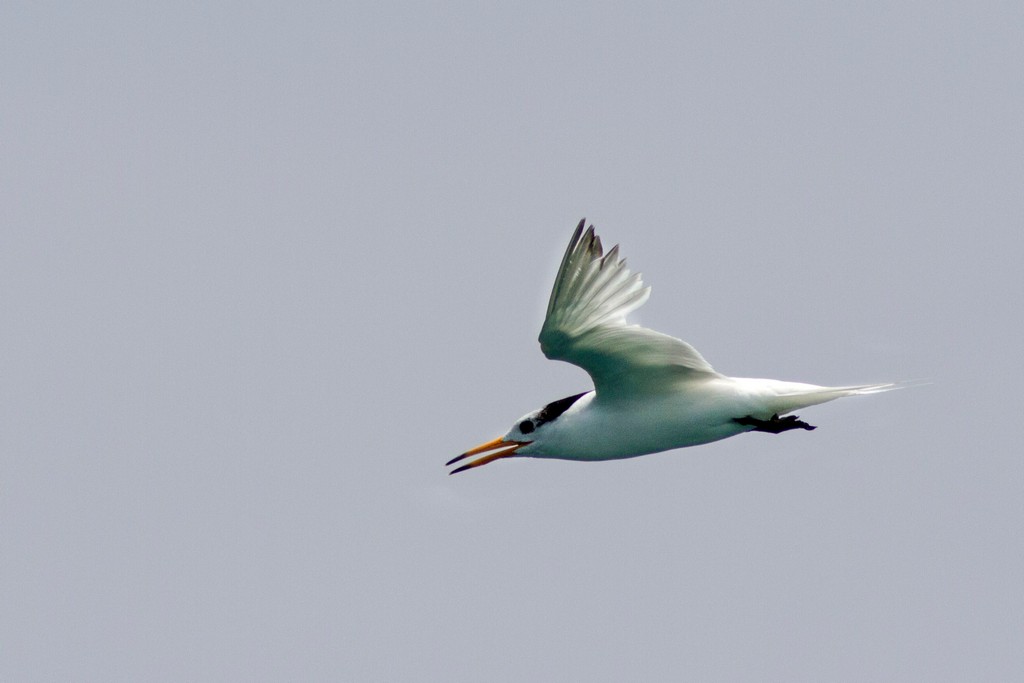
{"x": 500, "y": 448}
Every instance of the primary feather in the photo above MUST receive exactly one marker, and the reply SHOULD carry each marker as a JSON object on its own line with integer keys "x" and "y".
{"x": 586, "y": 325}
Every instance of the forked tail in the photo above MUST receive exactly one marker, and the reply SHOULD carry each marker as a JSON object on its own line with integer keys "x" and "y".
{"x": 792, "y": 396}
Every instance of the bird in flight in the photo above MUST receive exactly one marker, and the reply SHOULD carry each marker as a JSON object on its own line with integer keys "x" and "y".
{"x": 652, "y": 392}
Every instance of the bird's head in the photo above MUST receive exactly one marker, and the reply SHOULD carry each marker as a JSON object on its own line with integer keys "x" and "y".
{"x": 526, "y": 437}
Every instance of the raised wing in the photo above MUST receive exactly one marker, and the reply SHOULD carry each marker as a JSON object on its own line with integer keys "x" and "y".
{"x": 586, "y": 325}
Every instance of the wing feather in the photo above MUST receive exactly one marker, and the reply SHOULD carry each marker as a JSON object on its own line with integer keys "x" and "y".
{"x": 586, "y": 325}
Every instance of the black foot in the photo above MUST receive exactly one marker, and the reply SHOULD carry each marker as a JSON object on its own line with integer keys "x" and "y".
{"x": 776, "y": 425}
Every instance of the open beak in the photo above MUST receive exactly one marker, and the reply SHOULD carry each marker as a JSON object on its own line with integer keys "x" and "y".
{"x": 499, "y": 449}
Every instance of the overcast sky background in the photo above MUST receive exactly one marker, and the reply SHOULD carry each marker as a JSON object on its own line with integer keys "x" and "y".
{"x": 265, "y": 268}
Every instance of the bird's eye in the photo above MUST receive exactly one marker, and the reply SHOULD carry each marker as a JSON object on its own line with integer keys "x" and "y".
{"x": 526, "y": 426}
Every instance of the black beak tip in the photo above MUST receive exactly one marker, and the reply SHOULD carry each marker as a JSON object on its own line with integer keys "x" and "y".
{"x": 455, "y": 460}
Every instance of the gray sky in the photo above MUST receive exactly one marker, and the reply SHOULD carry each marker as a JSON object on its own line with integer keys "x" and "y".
{"x": 264, "y": 269}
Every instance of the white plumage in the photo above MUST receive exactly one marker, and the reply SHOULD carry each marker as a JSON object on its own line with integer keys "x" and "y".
{"x": 652, "y": 392}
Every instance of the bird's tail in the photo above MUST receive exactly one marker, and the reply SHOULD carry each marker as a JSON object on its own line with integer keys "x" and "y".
{"x": 790, "y": 396}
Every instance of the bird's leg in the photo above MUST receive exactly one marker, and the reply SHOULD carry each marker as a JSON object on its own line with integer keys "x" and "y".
{"x": 776, "y": 425}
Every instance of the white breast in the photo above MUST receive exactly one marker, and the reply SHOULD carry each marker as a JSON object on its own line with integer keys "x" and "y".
{"x": 607, "y": 430}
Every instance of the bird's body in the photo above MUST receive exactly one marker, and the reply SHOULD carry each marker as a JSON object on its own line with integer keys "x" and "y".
{"x": 652, "y": 392}
{"x": 694, "y": 413}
